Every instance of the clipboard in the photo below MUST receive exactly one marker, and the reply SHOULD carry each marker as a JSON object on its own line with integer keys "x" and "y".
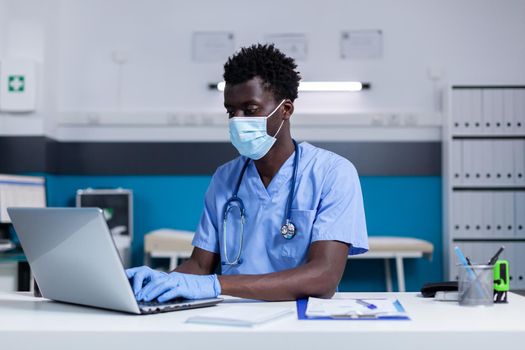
{"x": 302, "y": 304}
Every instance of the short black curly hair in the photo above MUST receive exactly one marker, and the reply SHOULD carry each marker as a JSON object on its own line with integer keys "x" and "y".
{"x": 276, "y": 70}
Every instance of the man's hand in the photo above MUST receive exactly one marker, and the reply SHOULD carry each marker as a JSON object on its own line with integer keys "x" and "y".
{"x": 142, "y": 276}
{"x": 175, "y": 284}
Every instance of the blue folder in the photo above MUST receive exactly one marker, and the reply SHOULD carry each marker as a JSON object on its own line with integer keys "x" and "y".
{"x": 303, "y": 303}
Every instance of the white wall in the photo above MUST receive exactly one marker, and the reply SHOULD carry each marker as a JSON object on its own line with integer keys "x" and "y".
{"x": 3, "y": 25}
{"x": 26, "y": 32}
{"x": 470, "y": 41}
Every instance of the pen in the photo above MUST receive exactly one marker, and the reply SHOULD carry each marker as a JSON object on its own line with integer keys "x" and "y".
{"x": 364, "y": 303}
{"x": 461, "y": 257}
{"x": 470, "y": 271}
{"x": 495, "y": 257}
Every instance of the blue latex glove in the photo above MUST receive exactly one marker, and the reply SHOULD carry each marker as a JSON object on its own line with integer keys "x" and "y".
{"x": 183, "y": 285}
{"x": 142, "y": 275}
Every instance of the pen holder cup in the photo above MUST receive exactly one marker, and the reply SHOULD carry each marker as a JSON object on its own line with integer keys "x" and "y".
{"x": 476, "y": 285}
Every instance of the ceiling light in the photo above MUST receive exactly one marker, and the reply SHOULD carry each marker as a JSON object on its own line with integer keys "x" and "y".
{"x": 318, "y": 86}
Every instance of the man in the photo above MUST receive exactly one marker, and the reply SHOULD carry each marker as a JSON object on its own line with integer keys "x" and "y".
{"x": 281, "y": 218}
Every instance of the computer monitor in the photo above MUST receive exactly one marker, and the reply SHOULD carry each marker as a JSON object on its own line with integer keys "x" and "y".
{"x": 19, "y": 191}
{"x": 117, "y": 206}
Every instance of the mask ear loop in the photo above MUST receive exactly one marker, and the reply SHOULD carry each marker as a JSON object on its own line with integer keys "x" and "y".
{"x": 280, "y": 126}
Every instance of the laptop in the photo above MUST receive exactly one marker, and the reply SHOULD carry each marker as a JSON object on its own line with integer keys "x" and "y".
{"x": 74, "y": 260}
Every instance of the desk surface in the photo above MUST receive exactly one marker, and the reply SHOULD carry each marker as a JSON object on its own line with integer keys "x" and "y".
{"x": 27, "y": 322}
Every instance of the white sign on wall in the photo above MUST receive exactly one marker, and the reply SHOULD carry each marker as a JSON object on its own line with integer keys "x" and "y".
{"x": 293, "y": 45}
{"x": 212, "y": 46}
{"x": 361, "y": 44}
{"x": 17, "y": 86}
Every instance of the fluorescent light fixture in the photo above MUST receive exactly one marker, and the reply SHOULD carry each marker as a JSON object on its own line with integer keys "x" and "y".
{"x": 330, "y": 86}
{"x": 319, "y": 86}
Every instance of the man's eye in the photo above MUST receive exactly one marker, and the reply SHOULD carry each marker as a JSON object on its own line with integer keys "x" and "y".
{"x": 250, "y": 111}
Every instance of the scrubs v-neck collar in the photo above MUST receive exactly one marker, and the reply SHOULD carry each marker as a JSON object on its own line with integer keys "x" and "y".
{"x": 280, "y": 179}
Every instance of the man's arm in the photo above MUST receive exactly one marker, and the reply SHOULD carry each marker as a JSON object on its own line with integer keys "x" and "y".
{"x": 318, "y": 277}
{"x": 201, "y": 262}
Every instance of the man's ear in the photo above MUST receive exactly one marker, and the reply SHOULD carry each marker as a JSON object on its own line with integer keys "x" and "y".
{"x": 288, "y": 109}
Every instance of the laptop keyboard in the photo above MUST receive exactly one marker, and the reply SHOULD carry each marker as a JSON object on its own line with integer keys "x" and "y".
{"x": 157, "y": 303}
{"x": 153, "y": 307}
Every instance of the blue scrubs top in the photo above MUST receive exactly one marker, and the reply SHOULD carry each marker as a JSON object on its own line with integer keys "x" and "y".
{"x": 327, "y": 206}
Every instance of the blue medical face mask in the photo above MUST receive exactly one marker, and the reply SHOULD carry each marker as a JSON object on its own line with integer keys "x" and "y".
{"x": 249, "y": 136}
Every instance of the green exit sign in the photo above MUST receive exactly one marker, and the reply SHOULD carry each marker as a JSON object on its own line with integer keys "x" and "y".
{"x": 16, "y": 83}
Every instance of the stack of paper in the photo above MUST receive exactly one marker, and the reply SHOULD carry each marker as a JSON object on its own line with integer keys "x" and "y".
{"x": 354, "y": 308}
{"x": 242, "y": 315}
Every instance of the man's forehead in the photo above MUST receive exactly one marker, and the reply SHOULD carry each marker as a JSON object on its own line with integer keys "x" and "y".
{"x": 251, "y": 90}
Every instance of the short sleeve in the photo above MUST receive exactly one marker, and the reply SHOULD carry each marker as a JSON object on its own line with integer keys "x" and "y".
{"x": 341, "y": 215}
{"x": 206, "y": 235}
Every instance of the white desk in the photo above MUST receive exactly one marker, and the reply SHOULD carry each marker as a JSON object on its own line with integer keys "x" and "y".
{"x": 30, "y": 323}
{"x": 173, "y": 244}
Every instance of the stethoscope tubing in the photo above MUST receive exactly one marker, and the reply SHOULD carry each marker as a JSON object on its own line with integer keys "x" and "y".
{"x": 236, "y": 201}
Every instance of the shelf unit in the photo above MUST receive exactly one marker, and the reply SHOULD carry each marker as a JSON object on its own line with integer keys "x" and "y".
{"x": 484, "y": 176}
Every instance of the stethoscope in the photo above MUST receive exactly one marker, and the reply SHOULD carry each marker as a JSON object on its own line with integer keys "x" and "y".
{"x": 288, "y": 230}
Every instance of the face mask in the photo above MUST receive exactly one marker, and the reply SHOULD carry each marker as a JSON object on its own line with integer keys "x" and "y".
{"x": 249, "y": 136}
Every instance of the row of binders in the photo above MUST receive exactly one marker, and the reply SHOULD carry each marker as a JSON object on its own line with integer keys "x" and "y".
{"x": 488, "y": 214}
{"x": 514, "y": 253}
{"x": 488, "y": 111}
{"x": 495, "y": 162}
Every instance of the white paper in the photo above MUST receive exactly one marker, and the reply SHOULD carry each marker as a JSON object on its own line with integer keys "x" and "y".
{"x": 242, "y": 315}
{"x": 350, "y": 307}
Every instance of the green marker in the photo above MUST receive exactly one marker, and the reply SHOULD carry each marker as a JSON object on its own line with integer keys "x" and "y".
{"x": 501, "y": 281}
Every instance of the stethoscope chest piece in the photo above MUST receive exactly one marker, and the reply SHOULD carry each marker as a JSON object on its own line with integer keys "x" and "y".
{"x": 288, "y": 230}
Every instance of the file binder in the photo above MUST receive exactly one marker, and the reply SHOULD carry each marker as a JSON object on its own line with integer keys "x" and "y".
{"x": 477, "y": 213}
{"x": 456, "y": 154}
{"x": 508, "y": 161}
{"x": 488, "y": 113}
{"x": 499, "y": 162}
{"x": 519, "y": 162}
{"x": 519, "y": 111}
{"x": 468, "y": 162}
{"x": 519, "y": 215}
{"x": 487, "y": 214}
{"x": 499, "y": 214}
{"x": 478, "y": 160}
{"x": 508, "y": 214}
{"x": 508, "y": 111}
{"x": 302, "y": 305}
{"x": 457, "y": 213}
{"x": 497, "y": 110}
{"x": 468, "y": 215}
{"x": 474, "y": 111}
{"x": 458, "y": 111}
{"x": 517, "y": 264}
{"x": 486, "y": 163}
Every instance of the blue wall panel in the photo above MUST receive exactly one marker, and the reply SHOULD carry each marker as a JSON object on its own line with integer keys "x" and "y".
{"x": 402, "y": 206}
